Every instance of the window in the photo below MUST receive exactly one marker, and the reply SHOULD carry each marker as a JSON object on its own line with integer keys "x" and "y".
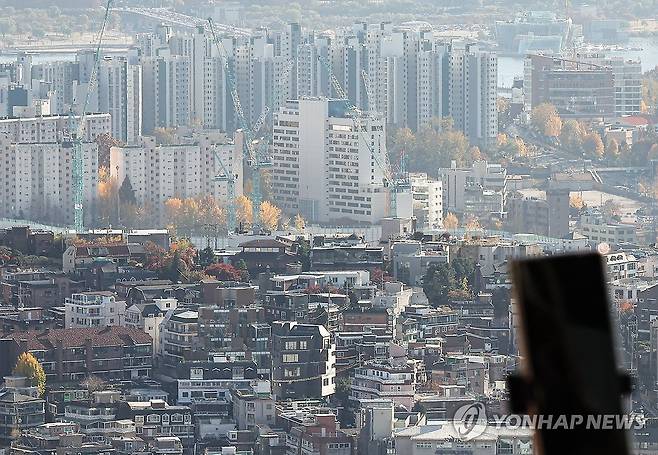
{"x": 290, "y": 358}
{"x": 291, "y": 345}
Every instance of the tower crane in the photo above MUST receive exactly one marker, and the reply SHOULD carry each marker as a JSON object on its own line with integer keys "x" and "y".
{"x": 77, "y": 130}
{"x": 395, "y": 185}
{"x": 283, "y": 77}
{"x": 256, "y": 159}
{"x": 230, "y": 178}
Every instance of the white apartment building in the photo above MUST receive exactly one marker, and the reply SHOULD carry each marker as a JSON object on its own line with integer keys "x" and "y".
{"x": 36, "y": 181}
{"x": 119, "y": 93}
{"x": 51, "y": 128}
{"x": 158, "y": 173}
{"x": 427, "y": 201}
{"x": 473, "y": 92}
{"x": 94, "y": 309}
{"x": 477, "y": 191}
{"x": 322, "y": 166}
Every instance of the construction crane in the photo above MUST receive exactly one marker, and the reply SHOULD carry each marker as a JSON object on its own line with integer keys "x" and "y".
{"x": 283, "y": 77}
{"x": 230, "y": 178}
{"x": 77, "y": 131}
{"x": 394, "y": 184}
{"x": 256, "y": 159}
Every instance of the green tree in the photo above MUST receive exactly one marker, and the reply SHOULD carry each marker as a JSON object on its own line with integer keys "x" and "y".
{"x": 438, "y": 281}
{"x": 206, "y": 256}
{"x": 464, "y": 271}
{"x": 27, "y": 365}
{"x": 501, "y": 298}
{"x": 612, "y": 150}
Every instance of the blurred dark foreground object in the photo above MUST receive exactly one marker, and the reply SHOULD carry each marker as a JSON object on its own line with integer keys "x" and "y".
{"x": 568, "y": 365}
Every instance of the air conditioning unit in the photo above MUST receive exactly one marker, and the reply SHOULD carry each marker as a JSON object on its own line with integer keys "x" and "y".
{"x": 232, "y": 435}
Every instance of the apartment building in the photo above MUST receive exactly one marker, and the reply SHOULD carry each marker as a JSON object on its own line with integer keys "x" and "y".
{"x": 94, "y": 309}
{"x": 68, "y": 355}
{"x": 158, "y": 173}
{"x": 323, "y": 167}
{"x": 119, "y": 93}
{"x": 51, "y": 128}
{"x": 36, "y": 180}
{"x": 472, "y": 92}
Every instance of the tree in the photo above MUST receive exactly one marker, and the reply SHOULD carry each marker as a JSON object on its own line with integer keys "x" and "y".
{"x": 501, "y": 299}
{"x": 300, "y": 222}
{"x": 126, "y": 192}
{"x": 107, "y": 195}
{"x": 244, "y": 211}
{"x": 450, "y": 221}
{"x": 610, "y": 208}
{"x": 612, "y": 151}
{"x": 593, "y": 145}
{"x": 224, "y": 272}
{"x": 206, "y": 257}
{"x": 269, "y": 215}
{"x": 576, "y": 201}
{"x": 438, "y": 281}
{"x": 27, "y": 365}
{"x": 546, "y": 120}
{"x": 165, "y": 136}
{"x": 464, "y": 269}
{"x": 572, "y": 136}
{"x": 93, "y": 383}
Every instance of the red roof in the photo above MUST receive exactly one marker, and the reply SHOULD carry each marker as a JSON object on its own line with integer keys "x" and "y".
{"x": 42, "y": 340}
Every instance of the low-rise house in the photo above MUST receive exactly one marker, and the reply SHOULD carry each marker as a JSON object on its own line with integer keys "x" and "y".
{"x": 156, "y": 419}
{"x": 212, "y": 381}
{"x": 395, "y": 380}
{"x": 119, "y": 253}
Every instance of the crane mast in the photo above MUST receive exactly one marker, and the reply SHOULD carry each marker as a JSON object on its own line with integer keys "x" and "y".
{"x": 77, "y": 131}
{"x": 256, "y": 159}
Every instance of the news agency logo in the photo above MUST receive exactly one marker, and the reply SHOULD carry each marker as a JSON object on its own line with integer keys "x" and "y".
{"x": 470, "y": 421}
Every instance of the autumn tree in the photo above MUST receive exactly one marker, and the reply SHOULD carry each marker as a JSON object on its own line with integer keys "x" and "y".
{"x": 576, "y": 201}
{"x": 244, "y": 211}
{"x": 572, "y": 136}
{"x": 223, "y": 272}
{"x": 546, "y": 120}
{"x": 450, "y": 221}
{"x": 107, "y": 195}
{"x": 593, "y": 145}
{"x": 270, "y": 215}
{"x": 27, "y": 365}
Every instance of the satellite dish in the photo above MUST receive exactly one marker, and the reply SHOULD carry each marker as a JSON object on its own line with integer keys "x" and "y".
{"x": 603, "y": 248}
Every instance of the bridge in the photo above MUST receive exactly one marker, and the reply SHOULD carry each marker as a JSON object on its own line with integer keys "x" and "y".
{"x": 176, "y": 19}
